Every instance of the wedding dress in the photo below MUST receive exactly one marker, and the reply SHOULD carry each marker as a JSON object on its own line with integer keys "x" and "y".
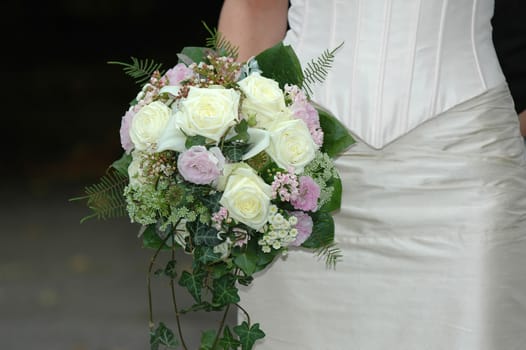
{"x": 433, "y": 221}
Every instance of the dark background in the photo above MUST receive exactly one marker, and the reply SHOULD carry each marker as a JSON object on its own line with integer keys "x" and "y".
{"x": 66, "y": 285}
{"x": 62, "y": 102}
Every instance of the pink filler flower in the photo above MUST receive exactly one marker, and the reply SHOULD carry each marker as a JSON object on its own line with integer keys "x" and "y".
{"x": 309, "y": 192}
{"x": 304, "y": 227}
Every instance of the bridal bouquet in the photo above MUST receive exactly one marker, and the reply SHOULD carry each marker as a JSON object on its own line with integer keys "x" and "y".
{"x": 230, "y": 163}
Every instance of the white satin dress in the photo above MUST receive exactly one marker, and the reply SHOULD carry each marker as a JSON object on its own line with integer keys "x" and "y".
{"x": 433, "y": 222}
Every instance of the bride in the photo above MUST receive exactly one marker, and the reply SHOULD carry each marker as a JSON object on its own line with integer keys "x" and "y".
{"x": 433, "y": 219}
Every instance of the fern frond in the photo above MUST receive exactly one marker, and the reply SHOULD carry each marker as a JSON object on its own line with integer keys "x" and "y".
{"x": 317, "y": 69}
{"x": 218, "y": 43}
{"x": 106, "y": 198}
{"x": 140, "y": 69}
{"x": 331, "y": 253}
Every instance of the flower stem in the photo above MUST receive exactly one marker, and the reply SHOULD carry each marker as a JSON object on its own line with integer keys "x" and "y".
{"x": 149, "y": 281}
{"x": 174, "y": 301}
{"x": 221, "y": 325}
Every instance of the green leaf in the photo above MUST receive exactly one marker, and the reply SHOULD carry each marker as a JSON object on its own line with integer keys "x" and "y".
{"x": 150, "y": 238}
{"x": 334, "y": 203}
{"x": 322, "y": 231}
{"x": 162, "y": 335}
{"x": 235, "y": 151}
{"x": 224, "y": 291}
{"x": 228, "y": 342}
{"x": 193, "y": 283}
{"x": 122, "y": 164}
{"x": 196, "y": 140}
{"x": 248, "y": 335}
{"x": 205, "y": 255}
{"x": 195, "y": 53}
{"x": 207, "y": 340}
{"x": 336, "y": 137}
{"x": 106, "y": 198}
{"x": 203, "y": 234}
{"x": 140, "y": 69}
{"x": 247, "y": 262}
{"x": 281, "y": 64}
{"x": 170, "y": 269}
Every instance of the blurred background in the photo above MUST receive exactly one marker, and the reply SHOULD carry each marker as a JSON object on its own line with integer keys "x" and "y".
{"x": 66, "y": 285}
{"x": 71, "y": 286}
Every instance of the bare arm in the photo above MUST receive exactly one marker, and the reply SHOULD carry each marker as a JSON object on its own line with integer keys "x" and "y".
{"x": 522, "y": 120}
{"x": 253, "y": 25}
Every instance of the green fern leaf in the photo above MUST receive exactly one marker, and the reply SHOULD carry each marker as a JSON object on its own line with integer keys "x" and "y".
{"x": 331, "y": 253}
{"x": 140, "y": 69}
{"x": 217, "y": 42}
{"x": 317, "y": 69}
{"x": 106, "y": 198}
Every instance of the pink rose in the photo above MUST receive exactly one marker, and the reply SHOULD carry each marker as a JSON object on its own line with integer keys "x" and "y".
{"x": 178, "y": 74}
{"x": 304, "y": 227}
{"x": 126, "y": 121}
{"x": 201, "y": 166}
{"x": 309, "y": 192}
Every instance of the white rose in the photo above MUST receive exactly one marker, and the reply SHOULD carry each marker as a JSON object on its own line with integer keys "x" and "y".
{"x": 208, "y": 112}
{"x": 148, "y": 125}
{"x": 264, "y": 99}
{"x": 291, "y": 145}
{"x": 247, "y": 197}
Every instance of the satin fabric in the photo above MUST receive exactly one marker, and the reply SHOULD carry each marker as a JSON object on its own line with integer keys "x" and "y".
{"x": 401, "y": 62}
{"x": 433, "y": 236}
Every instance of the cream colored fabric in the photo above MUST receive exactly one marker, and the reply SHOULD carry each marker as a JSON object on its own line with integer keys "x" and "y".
{"x": 402, "y": 61}
{"x": 433, "y": 233}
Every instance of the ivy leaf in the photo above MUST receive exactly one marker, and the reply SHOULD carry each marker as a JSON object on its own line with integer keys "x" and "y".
{"x": 170, "y": 270}
{"x": 196, "y": 140}
{"x": 235, "y": 150}
{"x": 248, "y": 335}
{"x": 207, "y": 340}
{"x": 224, "y": 291}
{"x": 247, "y": 262}
{"x": 322, "y": 231}
{"x": 205, "y": 255}
{"x": 193, "y": 283}
{"x": 228, "y": 342}
{"x": 150, "y": 238}
{"x": 163, "y": 336}
{"x": 211, "y": 200}
{"x": 203, "y": 234}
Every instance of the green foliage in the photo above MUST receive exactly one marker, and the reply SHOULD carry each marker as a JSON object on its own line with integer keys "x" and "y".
{"x": 322, "y": 238}
{"x": 318, "y": 69}
{"x": 122, "y": 164}
{"x": 248, "y": 335}
{"x": 163, "y": 336}
{"x": 218, "y": 43}
{"x": 140, "y": 70}
{"x": 335, "y": 200}
{"x": 281, "y": 64}
{"x": 106, "y": 199}
{"x": 336, "y": 137}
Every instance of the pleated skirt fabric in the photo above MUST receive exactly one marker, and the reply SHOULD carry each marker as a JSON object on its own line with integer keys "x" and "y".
{"x": 433, "y": 234}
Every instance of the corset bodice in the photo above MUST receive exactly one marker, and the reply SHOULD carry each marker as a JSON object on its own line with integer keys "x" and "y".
{"x": 402, "y": 61}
